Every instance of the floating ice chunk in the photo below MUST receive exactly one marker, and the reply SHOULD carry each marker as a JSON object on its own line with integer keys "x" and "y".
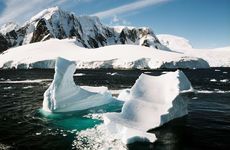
{"x": 27, "y": 87}
{"x": 112, "y": 74}
{"x": 213, "y": 80}
{"x": 79, "y": 74}
{"x": 224, "y": 80}
{"x": 153, "y": 101}
{"x": 64, "y": 95}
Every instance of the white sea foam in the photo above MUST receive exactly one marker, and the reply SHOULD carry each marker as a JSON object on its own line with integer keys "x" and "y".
{"x": 26, "y": 81}
{"x": 209, "y": 92}
{"x": 27, "y": 87}
{"x": 8, "y": 88}
{"x": 78, "y": 74}
{"x": 98, "y": 138}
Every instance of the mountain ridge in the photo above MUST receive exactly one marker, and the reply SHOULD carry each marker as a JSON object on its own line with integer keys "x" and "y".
{"x": 88, "y": 31}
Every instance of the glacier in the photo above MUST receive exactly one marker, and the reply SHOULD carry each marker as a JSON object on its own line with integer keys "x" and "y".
{"x": 217, "y": 57}
{"x": 63, "y": 95}
{"x": 44, "y": 54}
{"x": 152, "y": 101}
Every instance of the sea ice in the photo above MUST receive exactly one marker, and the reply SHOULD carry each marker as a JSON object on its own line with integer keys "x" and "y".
{"x": 151, "y": 102}
{"x": 224, "y": 80}
{"x": 63, "y": 95}
{"x": 213, "y": 80}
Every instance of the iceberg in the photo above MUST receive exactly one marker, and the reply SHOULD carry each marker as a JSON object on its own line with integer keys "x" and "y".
{"x": 150, "y": 103}
{"x": 63, "y": 95}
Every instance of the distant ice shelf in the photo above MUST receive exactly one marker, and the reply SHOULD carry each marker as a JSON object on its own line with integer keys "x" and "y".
{"x": 44, "y": 54}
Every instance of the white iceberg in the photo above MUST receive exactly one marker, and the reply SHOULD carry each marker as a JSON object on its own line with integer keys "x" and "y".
{"x": 153, "y": 101}
{"x": 63, "y": 95}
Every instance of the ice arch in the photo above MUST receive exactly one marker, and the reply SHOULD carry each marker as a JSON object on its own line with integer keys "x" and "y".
{"x": 63, "y": 95}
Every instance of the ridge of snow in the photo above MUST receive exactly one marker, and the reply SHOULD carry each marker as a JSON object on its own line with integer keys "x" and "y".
{"x": 174, "y": 42}
{"x": 120, "y": 28}
{"x": 10, "y": 26}
{"x": 217, "y": 57}
{"x": 46, "y": 13}
{"x": 43, "y": 55}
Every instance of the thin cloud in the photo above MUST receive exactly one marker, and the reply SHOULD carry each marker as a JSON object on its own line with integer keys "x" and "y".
{"x": 127, "y": 8}
{"x": 118, "y": 21}
{"x": 21, "y": 10}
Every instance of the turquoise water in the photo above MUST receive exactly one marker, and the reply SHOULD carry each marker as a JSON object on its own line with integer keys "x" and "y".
{"x": 78, "y": 120}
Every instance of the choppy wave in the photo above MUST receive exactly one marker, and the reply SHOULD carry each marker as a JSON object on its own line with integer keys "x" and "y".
{"x": 97, "y": 138}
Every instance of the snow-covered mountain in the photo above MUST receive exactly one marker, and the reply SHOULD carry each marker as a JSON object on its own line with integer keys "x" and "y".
{"x": 78, "y": 33}
{"x": 8, "y": 27}
{"x": 88, "y": 31}
{"x": 174, "y": 42}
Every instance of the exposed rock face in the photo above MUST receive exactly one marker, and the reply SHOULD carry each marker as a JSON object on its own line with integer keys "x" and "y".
{"x": 88, "y": 31}
{"x": 4, "y": 45}
{"x": 41, "y": 32}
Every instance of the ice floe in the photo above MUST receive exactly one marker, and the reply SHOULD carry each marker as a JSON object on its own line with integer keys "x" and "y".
{"x": 213, "y": 80}
{"x": 224, "y": 80}
{"x": 78, "y": 74}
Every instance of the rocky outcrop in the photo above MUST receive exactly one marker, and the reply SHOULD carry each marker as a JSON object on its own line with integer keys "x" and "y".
{"x": 4, "y": 45}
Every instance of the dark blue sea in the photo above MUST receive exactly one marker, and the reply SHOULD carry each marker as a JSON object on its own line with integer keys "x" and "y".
{"x": 24, "y": 126}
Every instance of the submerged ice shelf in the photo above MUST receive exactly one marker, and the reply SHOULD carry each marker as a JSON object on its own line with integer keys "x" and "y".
{"x": 151, "y": 102}
{"x": 63, "y": 95}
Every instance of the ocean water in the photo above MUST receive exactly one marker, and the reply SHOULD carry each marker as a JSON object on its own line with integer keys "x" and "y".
{"x": 23, "y": 125}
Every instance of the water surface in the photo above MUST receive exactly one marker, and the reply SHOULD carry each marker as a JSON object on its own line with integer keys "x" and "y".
{"x": 24, "y": 126}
